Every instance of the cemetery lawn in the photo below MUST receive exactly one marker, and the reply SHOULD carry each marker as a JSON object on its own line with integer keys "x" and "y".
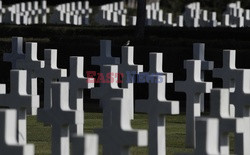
{"x": 175, "y": 130}
{"x": 39, "y": 134}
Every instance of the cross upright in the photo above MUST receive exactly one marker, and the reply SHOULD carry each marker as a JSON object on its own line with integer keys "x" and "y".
{"x": 16, "y": 52}
{"x": 199, "y": 54}
{"x": 228, "y": 70}
{"x": 77, "y": 84}
{"x": 110, "y": 89}
{"x": 105, "y": 57}
{"x": 60, "y": 116}
{"x": 32, "y": 65}
{"x": 193, "y": 86}
{"x": 220, "y": 109}
{"x": 8, "y": 131}
{"x": 117, "y": 136}
{"x": 19, "y": 99}
{"x": 50, "y": 73}
{"x": 157, "y": 106}
{"x": 129, "y": 71}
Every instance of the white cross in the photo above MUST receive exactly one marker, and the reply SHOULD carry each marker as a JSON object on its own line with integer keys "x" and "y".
{"x": 50, "y": 73}
{"x": 60, "y": 116}
{"x": 16, "y": 52}
{"x": 129, "y": 71}
{"x": 228, "y": 70}
{"x": 192, "y": 87}
{"x": 220, "y": 109}
{"x": 105, "y": 57}
{"x": 77, "y": 83}
{"x": 19, "y": 99}
{"x": 32, "y": 65}
{"x": 85, "y": 145}
{"x": 199, "y": 54}
{"x": 8, "y": 131}
{"x": 156, "y": 106}
{"x": 117, "y": 136}
{"x": 207, "y": 139}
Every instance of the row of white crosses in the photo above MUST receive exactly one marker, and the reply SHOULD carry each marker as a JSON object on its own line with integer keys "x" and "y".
{"x": 64, "y": 102}
{"x": 112, "y": 14}
{"x": 236, "y": 16}
{"x": 74, "y": 13}
{"x": 229, "y": 107}
{"x": 26, "y": 13}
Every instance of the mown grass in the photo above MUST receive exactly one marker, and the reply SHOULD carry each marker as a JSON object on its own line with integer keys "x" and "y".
{"x": 39, "y": 134}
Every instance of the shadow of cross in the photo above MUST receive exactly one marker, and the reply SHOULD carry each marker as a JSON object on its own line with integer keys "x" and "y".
{"x": 32, "y": 65}
{"x": 60, "y": 116}
{"x": 8, "y": 130}
{"x": 16, "y": 52}
{"x": 157, "y": 106}
{"x": 193, "y": 86}
{"x": 129, "y": 71}
{"x": 199, "y": 54}
{"x": 21, "y": 101}
{"x": 77, "y": 84}
{"x": 118, "y": 136}
{"x": 50, "y": 73}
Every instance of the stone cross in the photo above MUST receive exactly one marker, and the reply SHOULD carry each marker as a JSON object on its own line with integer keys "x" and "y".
{"x": 117, "y": 136}
{"x": 199, "y": 54}
{"x": 193, "y": 86}
{"x": 50, "y": 73}
{"x": 85, "y": 145}
{"x": 108, "y": 89}
{"x": 129, "y": 70}
{"x": 19, "y": 99}
{"x": 8, "y": 131}
{"x": 16, "y": 52}
{"x": 156, "y": 106}
{"x": 220, "y": 109}
{"x": 105, "y": 57}
{"x": 228, "y": 70}
{"x": 207, "y": 144}
{"x": 32, "y": 65}
{"x": 60, "y": 116}
{"x": 77, "y": 83}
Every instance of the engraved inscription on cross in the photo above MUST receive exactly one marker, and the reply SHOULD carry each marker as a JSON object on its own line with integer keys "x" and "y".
{"x": 193, "y": 86}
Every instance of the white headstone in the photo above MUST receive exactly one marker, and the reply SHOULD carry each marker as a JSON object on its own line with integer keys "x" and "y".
{"x": 16, "y": 52}
{"x": 8, "y": 131}
{"x": 77, "y": 84}
{"x": 50, "y": 73}
{"x": 60, "y": 116}
{"x": 193, "y": 86}
{"x": 19, "y": 99}
{"x": 157, "y": 106}
{"x": 32, "y": 65}
{"x": 117, "y": 135}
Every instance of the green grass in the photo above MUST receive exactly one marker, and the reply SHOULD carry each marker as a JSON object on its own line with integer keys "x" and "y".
{"x": 39, "y": 134}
